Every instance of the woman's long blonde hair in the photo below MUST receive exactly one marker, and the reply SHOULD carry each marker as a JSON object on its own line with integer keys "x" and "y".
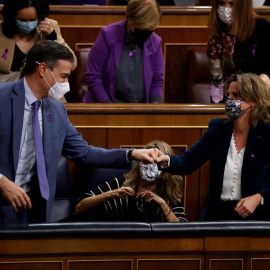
{"x": 170, "y": 187}
{"x": 252, "y": 88}
{"x": 243, "y": 20}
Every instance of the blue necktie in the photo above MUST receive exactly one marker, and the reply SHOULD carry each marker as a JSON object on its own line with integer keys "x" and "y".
{"x": 41, "y": 169}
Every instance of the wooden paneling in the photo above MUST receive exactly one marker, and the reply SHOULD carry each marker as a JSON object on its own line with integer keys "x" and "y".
{"x": 128, "y": 253}
{"x": 100, "y": 264}
{"x": 162, "y": 264}
{"x": 223, "y": 264}
{"x": 260, "y": 263}
{"x": 33, "y": 265}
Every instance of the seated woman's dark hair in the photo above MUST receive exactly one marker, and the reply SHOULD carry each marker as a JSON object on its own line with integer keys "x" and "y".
{"x": 11, "y": 7}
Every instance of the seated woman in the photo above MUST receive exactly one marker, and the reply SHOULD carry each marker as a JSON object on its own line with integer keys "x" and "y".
{"x": 24, "y": 23}
{"x": 238, "y": 43}
{"x": 126, "y": 63}
{"x": 144, "y": 194}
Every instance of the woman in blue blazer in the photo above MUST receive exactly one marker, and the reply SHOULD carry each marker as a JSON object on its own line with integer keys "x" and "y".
{"x": 238, "y": 149}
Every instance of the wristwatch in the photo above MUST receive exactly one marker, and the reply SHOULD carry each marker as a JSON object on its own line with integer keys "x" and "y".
{"x": 129, "y": 155}
{"x": 262, "y": 200}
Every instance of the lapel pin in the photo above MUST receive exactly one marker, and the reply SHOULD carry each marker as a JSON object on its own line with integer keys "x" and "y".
{"x": 49, "y": 116}
{"x": 4, "y": 55}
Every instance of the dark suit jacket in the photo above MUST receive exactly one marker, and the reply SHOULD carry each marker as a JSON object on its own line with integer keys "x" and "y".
{"x": 59, "y": 136}
{"x": 214, "y": 146}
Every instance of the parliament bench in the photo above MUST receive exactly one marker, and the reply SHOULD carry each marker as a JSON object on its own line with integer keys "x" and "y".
{"x": 136, "y": 245}
{"x": 198, "y": 76}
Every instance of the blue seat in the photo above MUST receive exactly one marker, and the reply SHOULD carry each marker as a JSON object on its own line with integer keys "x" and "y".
{"x": 89, "y": 177}
{"x": 62, "y": 206}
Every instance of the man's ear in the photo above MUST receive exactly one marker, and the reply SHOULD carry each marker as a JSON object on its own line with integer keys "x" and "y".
{"x": 42, "y": 68}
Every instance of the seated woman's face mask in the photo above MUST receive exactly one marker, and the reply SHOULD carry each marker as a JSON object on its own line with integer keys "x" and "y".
{"x": 26, "y": 27}
{"x": 149, "y": 172}
{"x": 225, "y": 14}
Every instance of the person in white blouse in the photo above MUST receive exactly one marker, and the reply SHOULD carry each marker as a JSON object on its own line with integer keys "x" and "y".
{"x": 238, "y": 148}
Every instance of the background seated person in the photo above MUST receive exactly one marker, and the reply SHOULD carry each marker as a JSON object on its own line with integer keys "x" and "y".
{"x": 24, "y": 23}
{"x": 238, "y": 149}
{"x": 144, "y": 194}
{"x": 239, "y": 42}
{"x": 126, "y": 63}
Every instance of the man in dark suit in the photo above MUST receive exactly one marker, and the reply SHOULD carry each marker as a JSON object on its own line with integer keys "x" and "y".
{"x": 24, "y": 196}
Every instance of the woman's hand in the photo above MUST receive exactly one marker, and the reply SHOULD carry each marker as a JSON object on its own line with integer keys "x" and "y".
{"x": 163, "y": 160}
{"x": 148, "y": 196}
{"x": 45, "y": 26}
{"x": 247, "y": 206}
{"x": 121, "y": 193}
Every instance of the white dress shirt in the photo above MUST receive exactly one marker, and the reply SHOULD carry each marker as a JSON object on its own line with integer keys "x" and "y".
{"x": 27, "y": 157}
{"x": 231, "y": 189}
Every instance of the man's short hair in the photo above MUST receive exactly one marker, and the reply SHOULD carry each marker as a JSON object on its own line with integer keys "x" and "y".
{"x": 47, "y": 51}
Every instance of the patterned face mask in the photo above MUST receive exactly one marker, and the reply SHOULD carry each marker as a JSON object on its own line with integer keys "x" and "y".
{"x": 149, "y": 172}
{"x": 225, "y": 14}
{"x": 233, "y": 108}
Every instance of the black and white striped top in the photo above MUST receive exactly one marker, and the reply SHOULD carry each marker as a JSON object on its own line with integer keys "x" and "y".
{"x": 131, "y": 209}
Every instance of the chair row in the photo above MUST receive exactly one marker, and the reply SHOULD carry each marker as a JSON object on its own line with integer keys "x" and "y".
{"x": 198, "y": 78}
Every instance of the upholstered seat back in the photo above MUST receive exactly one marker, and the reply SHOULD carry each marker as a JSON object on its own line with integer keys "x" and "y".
{"x": 78, "y": 85}
{"x": 62, "y": 206}
{"x": 98, "y": 176}
{"x": 198, "y": 81}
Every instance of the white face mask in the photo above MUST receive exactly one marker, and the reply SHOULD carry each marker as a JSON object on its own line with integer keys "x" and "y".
{"x": 149, "y": 172}
{"x": 58, "y": 90}
{"x": 225, "y": 14}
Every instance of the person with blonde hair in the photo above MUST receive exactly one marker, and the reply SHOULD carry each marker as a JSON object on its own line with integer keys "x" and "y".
{"x": 126, "y": 63}
{"x": 239, "y": 42}
{"x": 238, "y": 149}
{"x": 143, "y": 194}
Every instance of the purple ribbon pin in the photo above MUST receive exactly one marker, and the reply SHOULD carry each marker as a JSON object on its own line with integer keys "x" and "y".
{"x": 253, "y": 50}
{"x": 4, "y": 55}
{"x": 252, "y": 155}
{"x": 49, "y": 116}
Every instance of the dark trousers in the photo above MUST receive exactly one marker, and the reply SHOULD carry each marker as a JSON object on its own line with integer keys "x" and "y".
{"x": 37, "y": 214}
{"x": 227, "y": 211}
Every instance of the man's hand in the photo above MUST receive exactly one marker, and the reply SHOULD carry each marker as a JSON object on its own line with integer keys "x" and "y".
{"x": 15, "y": 195}
{"x": 146, "y": 155}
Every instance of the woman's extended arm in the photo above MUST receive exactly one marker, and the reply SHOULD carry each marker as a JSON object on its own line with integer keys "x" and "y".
{"x": 93, "y": 201}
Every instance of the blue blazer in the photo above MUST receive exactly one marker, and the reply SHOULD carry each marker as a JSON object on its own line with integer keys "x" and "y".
{"x": 214, "y": 146}
{"x": 59, "y": 137}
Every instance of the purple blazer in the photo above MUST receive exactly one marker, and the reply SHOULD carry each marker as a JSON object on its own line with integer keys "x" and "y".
{"x": 103, "y": 61}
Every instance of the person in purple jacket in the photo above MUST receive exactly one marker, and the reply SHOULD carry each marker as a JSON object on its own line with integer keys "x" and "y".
{"x": 126, "y": 63}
